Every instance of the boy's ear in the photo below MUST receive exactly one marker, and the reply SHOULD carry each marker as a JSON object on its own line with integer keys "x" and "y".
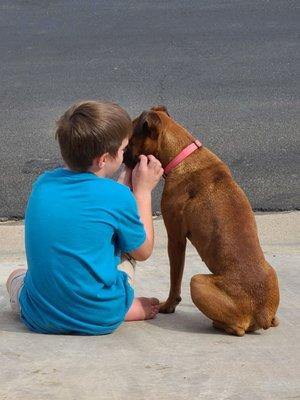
{"x": 148, "y": 124}
{"x": 100, "y": 161}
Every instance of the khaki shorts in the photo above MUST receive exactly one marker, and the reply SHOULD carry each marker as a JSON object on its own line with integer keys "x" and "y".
{"x": 128, "y": 265}
{"x": 15, "y": 281}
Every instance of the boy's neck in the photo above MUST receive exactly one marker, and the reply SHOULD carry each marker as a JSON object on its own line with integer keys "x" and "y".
{"x": 96, "y": 171}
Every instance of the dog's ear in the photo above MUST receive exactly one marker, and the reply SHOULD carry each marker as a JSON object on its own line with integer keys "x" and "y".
{"x": 148, "y": 124}
{"x": 161, "y": 108}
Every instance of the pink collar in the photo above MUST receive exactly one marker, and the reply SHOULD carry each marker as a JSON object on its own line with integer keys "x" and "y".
{"x": 181, "y": 156}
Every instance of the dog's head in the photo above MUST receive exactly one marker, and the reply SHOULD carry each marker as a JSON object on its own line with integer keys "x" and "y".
{"x": 147, "y": 131}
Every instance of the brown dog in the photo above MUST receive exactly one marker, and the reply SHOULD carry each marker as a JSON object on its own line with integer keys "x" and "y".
{"x": 201, "y": 202}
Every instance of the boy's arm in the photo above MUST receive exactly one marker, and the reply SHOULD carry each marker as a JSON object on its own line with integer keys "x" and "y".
{"x": 144, "y": 178}
{"x": 144, "y": 202}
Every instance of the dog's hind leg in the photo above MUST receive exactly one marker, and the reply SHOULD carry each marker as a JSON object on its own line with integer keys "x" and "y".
{"x": 176, "y": 251}
{"x": 210, "y": 298}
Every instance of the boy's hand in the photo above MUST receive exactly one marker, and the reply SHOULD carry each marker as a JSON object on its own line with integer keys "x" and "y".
{"x": 125, "y": 177}
{"x": 146, "y": 174}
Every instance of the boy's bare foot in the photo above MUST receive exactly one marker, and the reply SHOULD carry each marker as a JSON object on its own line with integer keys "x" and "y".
{"x": 142, "y": 308}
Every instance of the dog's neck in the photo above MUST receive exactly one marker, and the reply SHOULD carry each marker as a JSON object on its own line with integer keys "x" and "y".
{"x": 171, "y": 144}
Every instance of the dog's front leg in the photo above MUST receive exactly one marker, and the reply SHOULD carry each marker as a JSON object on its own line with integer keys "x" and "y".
{"x": 176, "y": 251}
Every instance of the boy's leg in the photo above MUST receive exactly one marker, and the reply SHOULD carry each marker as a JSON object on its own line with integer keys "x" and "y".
{"x": 142, "y": 307}
{"x": 14, "y": 284}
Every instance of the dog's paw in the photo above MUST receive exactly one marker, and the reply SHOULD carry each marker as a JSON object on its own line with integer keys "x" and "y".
{"x": 166, "y": 308}
{"x": 169, "y": 307}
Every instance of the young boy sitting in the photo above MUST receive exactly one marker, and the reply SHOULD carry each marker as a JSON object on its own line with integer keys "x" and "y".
{"x": 84, "y": 231}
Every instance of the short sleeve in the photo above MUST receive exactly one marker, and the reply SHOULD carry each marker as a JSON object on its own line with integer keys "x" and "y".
{"x": 130, "y": 232}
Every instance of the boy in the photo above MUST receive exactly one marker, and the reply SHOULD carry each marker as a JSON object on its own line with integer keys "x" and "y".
{"x": 79, "y": 226}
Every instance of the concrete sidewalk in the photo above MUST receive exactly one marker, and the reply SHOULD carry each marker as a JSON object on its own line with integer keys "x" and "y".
{"x": 178, "y": 356}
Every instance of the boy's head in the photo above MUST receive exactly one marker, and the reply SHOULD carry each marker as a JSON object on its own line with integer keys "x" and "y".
{"x": 92, "y": 136}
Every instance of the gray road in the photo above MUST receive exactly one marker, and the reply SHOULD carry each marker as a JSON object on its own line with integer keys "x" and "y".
{"x": 225, "y": 69}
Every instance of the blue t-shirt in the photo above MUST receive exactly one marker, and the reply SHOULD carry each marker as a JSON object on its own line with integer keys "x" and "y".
{"x": 76, "y": 227}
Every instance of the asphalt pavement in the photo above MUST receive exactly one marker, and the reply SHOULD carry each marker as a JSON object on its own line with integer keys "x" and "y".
{"x": 226, "y": 70}
{"x": 173, "y": 357}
